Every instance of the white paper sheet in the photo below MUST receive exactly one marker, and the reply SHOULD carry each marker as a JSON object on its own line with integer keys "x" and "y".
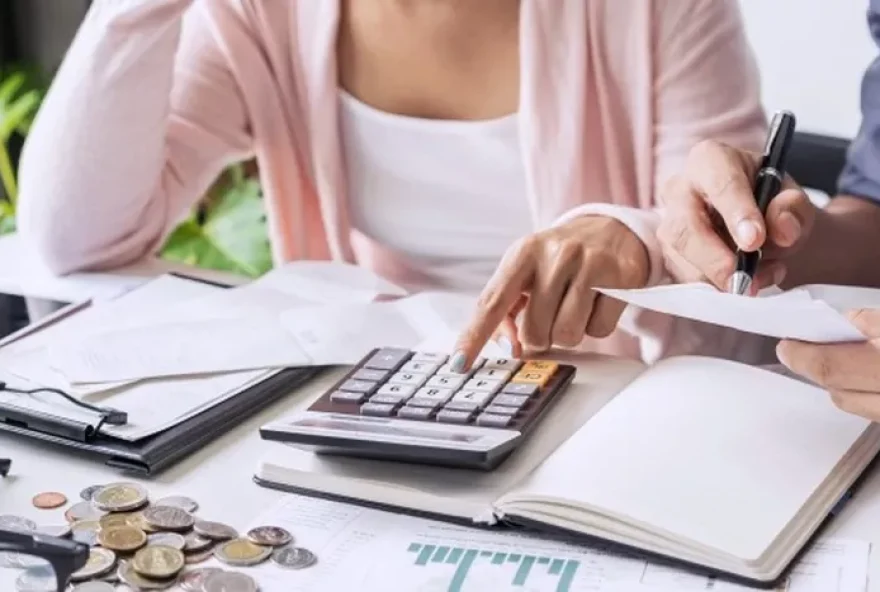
{"x": 220, "y": 331}
{"x": 373, "y": 551}
{"x": 810, "y": 313}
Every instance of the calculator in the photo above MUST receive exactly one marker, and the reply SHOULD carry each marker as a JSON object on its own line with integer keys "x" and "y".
{"x": 397, "y": 404}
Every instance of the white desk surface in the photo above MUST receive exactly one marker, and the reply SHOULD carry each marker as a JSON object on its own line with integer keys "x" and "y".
{"x": 219, "y": 476}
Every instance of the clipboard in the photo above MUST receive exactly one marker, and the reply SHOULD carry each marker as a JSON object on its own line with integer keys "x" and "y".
{"x": 151, "y": 455}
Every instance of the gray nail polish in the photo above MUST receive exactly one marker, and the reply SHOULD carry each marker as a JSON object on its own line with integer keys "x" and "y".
{"x": 505, "y": 344}
{"x": 457, "y": 362}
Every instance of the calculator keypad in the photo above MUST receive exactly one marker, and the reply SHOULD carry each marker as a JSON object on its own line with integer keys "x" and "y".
{"x": 421, "y": 386}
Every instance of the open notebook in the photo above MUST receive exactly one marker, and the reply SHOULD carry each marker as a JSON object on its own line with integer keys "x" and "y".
{"x": 720, "y": 466}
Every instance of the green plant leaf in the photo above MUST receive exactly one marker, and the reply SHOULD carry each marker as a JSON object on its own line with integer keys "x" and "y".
{"x": 233, "y": 236}
{"x": 10, "y": 86}
{"x": 18, "y": 115}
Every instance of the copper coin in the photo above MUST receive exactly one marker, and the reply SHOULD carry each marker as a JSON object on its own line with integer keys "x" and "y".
{"x": 49, "y": 500}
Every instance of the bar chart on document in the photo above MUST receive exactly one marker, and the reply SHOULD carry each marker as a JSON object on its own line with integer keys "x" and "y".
{"x": 469, "y": 564}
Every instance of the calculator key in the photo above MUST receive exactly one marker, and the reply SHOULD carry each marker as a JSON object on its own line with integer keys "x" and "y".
{"x": 453, "y": 416}
{"x": 540, "y": 366}
{"x": 410, "y": 412}
{"x": 454, "y": 405}
{"x": 433, "y": 358}
{"x": 372, "y": 375}
{"x": 483, "y": 384}
{"x": 478, "y": 398}
{"x": 420, "y": 367}
{"x": 401, "y": 391}
{"x": 499, "y": 410}
{"x": 515, "y": 401}
{"x": 493, "y": 374}
{"x": 535, "y": 378}
{"x": 527, "y": 390}
{"x": 387, "y": 399}
{"x": 358, "y": 386}
{"x": 343, "y": 397}
{"x": 389, "y": 358}
{"x": 378, "y": 409}
{"x": 502, "y": 364}
{"x": 446, "y": 370}
{"x": 453, "y": 382}
{"x": 494, "y": 420}
{"x": 431, "y": 396}
{"x": 408, "y": 378}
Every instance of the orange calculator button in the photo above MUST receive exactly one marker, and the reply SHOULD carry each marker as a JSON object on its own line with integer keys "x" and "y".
{"x": 540, "y": 366}
{"x": 537, "y": 378}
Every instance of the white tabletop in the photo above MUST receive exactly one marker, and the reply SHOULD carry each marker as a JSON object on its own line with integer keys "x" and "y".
{"x": 219, "y": 476}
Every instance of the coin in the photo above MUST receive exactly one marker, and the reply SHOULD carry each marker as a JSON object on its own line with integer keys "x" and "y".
{"x": 179, "y": 501}
{"x": 94, "y": 587}
{"x": 120, "y": 497}
{"x": 200, "y": 557}
{"x": 158, "y": 562}
{"x": 241, "y": 552}
{"x": 229, "y": 581}
{"x": 85, "y": 531}
{"x": 168, "y": 518}
{"x": 196, "y": 543}
{"x": 294, "y": 557}
{"x": 60, "y": 531}
{"x": 123, "y": 539}
{"x": 215, "y": 531}
{"x": 37, "y": 579}
{"x": 100, "y": 562}
{"x": 49, "y": 500}
{"x": 89, "y": 492}
{"x": 114, "y": 520}
{"x": 168, "y": 539}
{"x": 270, "y": 536}
{"x": 136, "y": 519}
{"x": 131, "y": 577}
{"x": 9, "y": 522}
{"x": 194, "y": 581}
{"x": 83, "y": 511}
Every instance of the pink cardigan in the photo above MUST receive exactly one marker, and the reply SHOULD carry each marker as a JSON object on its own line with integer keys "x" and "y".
{"x": 150, "y": 106}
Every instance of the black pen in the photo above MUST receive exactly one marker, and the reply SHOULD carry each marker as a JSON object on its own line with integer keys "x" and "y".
{"x": 768, "y": 184}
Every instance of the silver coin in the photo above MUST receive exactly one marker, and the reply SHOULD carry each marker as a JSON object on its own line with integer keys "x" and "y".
{"x": 83, "y": 511}
{"x": 229, "y": 581}
{"x": 99, "y": 563}
{"x": 196, "y": 543}
{"x": 94, "y": 587}
{"x": 120, "y": 497}
{"x": 10, "y": 522}
{"x": 86, "y": 532}
{"x": 60, "y": 531}
{"x": 294, "y": 557}
{"x": 186, "y": 504}
{"x": 169, "y": 539}
{"x": 194, "y": 581}
{"x": 23, "y": 561}
{"x": 168, "y": 518}
{"x": 89, "y": 492}
{"x": 216, "y": 531}
{"x": 270, "y": 536}
{"x": 37, "y": 579}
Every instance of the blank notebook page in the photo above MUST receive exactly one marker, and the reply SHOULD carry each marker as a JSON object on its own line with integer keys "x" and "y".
{"x": 706, "y": 449}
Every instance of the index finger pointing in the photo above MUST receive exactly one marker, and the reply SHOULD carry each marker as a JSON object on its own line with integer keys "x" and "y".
{"x": 500, "y": 295}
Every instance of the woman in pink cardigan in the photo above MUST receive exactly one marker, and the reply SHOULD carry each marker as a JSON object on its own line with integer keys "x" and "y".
{"x": 513, "y": 147}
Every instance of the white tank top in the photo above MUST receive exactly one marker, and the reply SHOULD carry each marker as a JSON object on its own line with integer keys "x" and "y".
{"x": 450, "y": 195}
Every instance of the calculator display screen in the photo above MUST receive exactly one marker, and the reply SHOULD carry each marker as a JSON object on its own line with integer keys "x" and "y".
{"x": 386, "y": 429}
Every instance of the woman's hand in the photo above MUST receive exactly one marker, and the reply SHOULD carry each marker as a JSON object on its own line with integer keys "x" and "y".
{"x": 549, "y": 277}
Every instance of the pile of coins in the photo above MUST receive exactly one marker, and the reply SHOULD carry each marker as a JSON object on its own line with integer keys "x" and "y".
{"x": 140, "y": 545}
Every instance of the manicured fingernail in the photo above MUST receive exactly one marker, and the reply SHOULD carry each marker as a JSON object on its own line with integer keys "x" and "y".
{"x": 782, "y": 354}
{"x": 457, "y": 362}
{"x": 505, "y": 344}
{"x": 778, "y": 275}
{"x": 790, "y": 226}
{"x": 747, "y": 232}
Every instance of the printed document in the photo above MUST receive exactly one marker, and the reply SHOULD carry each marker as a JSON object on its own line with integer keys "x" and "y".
{"x": 374, "y": 551}
{"x": 813, "y": 313}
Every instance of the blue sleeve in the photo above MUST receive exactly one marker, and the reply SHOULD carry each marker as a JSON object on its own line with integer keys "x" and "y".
{"x": 861, "y": 175}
